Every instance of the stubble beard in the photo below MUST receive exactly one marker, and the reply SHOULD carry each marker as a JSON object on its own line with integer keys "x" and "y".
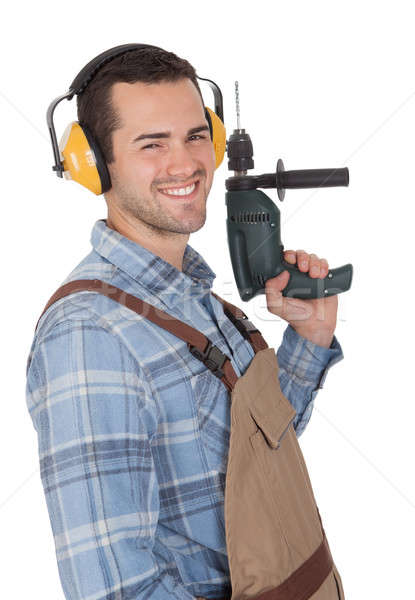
{"x": 150, "y": 212}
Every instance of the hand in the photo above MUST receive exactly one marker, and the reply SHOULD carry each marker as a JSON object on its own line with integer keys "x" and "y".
{"x": 315, "y": 318}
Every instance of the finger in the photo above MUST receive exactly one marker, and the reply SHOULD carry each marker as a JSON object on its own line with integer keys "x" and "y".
{"x": 318, "y": 267}
{"x": 324, "y": 268}
{"x": 314, "y": 265}
{"x": 302, "y": 260}
{"x": 290, "y": 256}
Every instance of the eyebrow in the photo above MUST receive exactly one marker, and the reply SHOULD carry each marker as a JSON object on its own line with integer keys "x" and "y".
{"x": 167, "y": 134}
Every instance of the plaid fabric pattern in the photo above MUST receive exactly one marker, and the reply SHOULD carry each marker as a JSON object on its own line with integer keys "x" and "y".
{"x": 133, "y": 430}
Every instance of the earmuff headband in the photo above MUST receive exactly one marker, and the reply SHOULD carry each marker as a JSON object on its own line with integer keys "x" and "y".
{"x": 84, "y": 77}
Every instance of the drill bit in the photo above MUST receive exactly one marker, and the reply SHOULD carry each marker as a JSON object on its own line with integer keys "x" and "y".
{"x": 237, "y": 104}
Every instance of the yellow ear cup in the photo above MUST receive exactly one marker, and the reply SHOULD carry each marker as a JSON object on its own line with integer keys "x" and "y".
{"x": 219, "y": 136}
{"x": 78, "y": 158}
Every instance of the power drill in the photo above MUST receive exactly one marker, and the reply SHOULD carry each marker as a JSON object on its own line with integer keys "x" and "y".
{"x": 253, "y": 223}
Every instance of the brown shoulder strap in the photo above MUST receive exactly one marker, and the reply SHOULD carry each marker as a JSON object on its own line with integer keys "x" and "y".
{"x": 243, "y": 324}
{"x": 199, "y": 345}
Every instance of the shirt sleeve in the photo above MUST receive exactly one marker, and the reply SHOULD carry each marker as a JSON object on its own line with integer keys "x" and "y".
{"x": 95, "y": 418}
{"x": 303, "y": 368}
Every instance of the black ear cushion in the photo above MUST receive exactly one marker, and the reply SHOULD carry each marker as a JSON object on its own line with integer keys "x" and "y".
{"x": 99, "y": 158}
{"x": 209, "y": 120}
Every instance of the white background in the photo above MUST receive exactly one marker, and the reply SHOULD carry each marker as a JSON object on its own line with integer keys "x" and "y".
{"x": 322, "y": 84}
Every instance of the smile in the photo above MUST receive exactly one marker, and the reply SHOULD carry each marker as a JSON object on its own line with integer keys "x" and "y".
{"x": 186, "y": 193}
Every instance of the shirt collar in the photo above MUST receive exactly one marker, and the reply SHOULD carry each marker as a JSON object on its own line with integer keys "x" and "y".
{"x": 158, "y": 276}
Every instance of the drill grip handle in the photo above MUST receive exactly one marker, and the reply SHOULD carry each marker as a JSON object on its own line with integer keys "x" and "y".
{"x": 257, "y": 254}
{"x": 301, "y": 285}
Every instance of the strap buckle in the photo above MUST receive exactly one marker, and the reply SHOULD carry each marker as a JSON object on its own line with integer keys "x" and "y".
{"x": 212, "y": 357}
{"x": 245, "y": 327}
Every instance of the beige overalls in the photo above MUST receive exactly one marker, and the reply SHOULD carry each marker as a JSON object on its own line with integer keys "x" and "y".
{"x": 276, "y": 544}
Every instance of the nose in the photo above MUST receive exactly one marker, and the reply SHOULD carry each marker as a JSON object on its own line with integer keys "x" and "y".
{"x": 181, "y": 162}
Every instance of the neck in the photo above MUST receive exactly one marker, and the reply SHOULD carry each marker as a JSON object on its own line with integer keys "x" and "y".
{"x": 170, "y": 246}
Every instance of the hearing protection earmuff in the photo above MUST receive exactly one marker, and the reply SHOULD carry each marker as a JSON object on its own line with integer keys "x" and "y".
{"x": 78, "y": 156}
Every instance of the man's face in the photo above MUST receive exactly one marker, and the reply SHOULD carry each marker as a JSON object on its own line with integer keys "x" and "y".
{"x": 143, "y": 167}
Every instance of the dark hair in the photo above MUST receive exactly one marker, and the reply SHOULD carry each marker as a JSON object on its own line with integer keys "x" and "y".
{"x": 149, "y": 65}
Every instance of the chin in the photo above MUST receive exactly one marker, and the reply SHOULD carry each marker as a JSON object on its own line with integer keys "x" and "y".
{"x": 197, "y": 227}
{"x": 192, "y": 226}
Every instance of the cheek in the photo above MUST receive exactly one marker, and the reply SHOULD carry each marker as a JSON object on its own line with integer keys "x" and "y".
{"x": 140, "y": 172}
{"x": 213, "y": 157}
{"x": 209, "y": 160}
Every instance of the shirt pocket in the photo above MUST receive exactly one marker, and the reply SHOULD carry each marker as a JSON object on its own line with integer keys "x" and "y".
{"x": 211, "y": 402}
{"x": 200, "y": 572}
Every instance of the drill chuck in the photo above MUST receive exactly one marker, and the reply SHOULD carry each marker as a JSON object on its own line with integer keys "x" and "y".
{"x": 240, "y": 151}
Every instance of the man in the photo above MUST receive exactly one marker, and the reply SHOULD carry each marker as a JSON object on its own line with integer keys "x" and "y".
{"x": 133, "y": 430}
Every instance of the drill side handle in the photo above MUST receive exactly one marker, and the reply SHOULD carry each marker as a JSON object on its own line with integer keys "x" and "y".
{"x": 313, "y": 178}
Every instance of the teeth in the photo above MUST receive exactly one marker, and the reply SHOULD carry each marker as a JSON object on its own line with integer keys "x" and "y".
{"x": 180, "y": 191}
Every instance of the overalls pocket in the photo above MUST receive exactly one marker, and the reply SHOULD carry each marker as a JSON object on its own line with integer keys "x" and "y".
{"x": 281, "y": 461}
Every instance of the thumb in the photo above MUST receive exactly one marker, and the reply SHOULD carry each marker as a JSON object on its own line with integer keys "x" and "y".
{"x": 273, "y": 292}
{"x": 278, "y": 283}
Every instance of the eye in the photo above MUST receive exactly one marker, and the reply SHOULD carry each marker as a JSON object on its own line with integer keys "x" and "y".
{"x": 202, "y": 137}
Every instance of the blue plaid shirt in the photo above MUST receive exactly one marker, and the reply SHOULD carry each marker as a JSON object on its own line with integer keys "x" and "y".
{"x": 133, "y": 431}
